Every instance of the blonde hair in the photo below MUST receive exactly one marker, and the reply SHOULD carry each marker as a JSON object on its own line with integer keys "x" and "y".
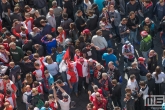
{"x": 49, "y": 59}
{"x": 60, "y": 29}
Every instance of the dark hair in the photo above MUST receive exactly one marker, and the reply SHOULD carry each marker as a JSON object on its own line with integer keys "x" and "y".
{"x": 65, "y": 15}
{"x": 25, "y": 58}
{"x": 157, "y": 71}
{"x": 132, "y": 12}
{"x": 81, "y": 39}
{"x": 36, "y": 83}
{"x": 109, "y": 50}
{"x": 29, "y": 52}
{"x": 31, "y": 107}
{"x": 132, "y": 77}
{"x": 46, "y": 72}
{"x": 142, "y": 83}
{"x": 59, "y": 49}
{"x": 46, "y": 105}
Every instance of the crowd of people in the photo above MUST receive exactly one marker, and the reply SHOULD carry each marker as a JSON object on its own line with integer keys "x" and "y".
{"x": 63, "y": 48}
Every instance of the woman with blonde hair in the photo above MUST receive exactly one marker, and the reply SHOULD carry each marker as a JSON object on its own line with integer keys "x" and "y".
{"x": 51, "y": 66}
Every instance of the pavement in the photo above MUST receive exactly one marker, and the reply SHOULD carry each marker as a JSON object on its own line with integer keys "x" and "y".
{"x": 82, "y": 100}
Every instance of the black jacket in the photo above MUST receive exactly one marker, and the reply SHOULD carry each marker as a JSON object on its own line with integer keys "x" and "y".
{"x": 132, "y": 22}
{"x": 131, "y": 71}
{"x": 151, "y": 85}
{"x": 130, "y": 104}
{"x": 114, "y": 74}
{"x": 15, "y": 16}
{"x": 116, "y": 92}
{"x": 130, "y": 7}
{"x": 92, "y": 22}
{"x": 27, "y": 46}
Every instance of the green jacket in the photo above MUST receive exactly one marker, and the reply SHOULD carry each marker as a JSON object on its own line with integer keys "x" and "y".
{"x": 145, "y": 43}
{"x": 17, "y": 54}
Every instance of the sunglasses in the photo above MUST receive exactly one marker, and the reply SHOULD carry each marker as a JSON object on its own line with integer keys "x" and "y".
{"x": 147, "y": 22}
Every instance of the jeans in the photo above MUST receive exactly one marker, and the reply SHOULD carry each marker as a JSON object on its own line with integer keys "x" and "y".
{"x": 145, "y": 54}
{"x": 80, "y": 85}
{"x": 74, "y": 87}
{"x": 43, "y": 11}
{"x": 123, "y": 40}
{"x": 133, "y": 36}
{"x": 18, "y": 84}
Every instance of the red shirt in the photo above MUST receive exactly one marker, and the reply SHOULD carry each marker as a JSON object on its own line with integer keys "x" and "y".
{"x": 1, "y": 100}
{"x": 52, "y": 105}
{"x": 100, "y": 104}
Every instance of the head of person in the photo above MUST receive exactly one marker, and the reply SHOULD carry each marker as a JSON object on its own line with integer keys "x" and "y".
{"x": 127, "y": 90}
{"x": 111, "y": 65}
{"x": 24, "y": 39}
{"x": 34, "y": 91}
{"x": 98, "y": 96}
{"x": 104, "y": 76}
{"x": 81, "y": 59}
{"x": 132, "y": 78}
{"x": 124, "y": 21}
{"x": 16, "y": 9}
{"x": 147, "y": 21}
{"x": 28, "y": 88}
{"x": 36, "y": 65}
{"x": 2, "y": 48}
{"x": 152, "y": 53}
{"x": 91, "y": 12}
{"x": 51, "y": 98}
{"x": 114, "y": 82}
{"x": 59, "y": 82}
{"x": 27, "y": 15}
{"x": 149, "y": 76}
{"x": 46, "y": 73}
{"x": 132, "y": 1}
{"x": 43, "y": 22}
{"x": 49, "y": 59}
{"x": 7, "y": 35}
{"x": 141, "y": 60}
{"x": 111, "y": 8}
{"x": 36, "y": 56}
{"x": 79, "y": 13}
{"x": 161, "y": 2}
{"x": 99, "y": 33}
{"x": 30, "y": 107}
{"x": 98, "y": 66}
{"x": 104, "y": 19}
{"x": 95, "y": 88}
{"x": 104, "y": 10}
{"x": 65, "y": 97}
{"x": 72, "y": 26}
{"x": 142, "y": 84}
{"x": 51, "y": 11}
{"x": 36, "y": 83}
{"x": 60, "y": 29}
{"x": 88, "y": 45}
{"x": 89, "y": 106}
{"x": 132, "y": 15}
{"x": 49, "y": 37}
{"x": 65, "y": 16}
{"x": 54, "y": 3}
{"x": 127, "y": 96}
{"x": 29, "y": 78}
{"x": 86, "y": 32}
{"x": 109, "y": 50}
{"x": 27, "y": 8}
{"x": 11, "y": 64}
{"x": 6, "y": 78}
{"x": 36, "y": 46}
{"x": 59, "y": 49}
{"x": 134, "y": 64}
{"x": 77, "y": 51}
{"x": 146, "y": 2}
{"x": 46, "y": 105}
{"x": 127, "y": 43}
{"x": 90, "y": 62}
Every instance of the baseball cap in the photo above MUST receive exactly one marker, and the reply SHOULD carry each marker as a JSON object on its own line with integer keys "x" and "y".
{"x": 141, "y": 59}
{"x": 144, "y": 33}
{"x": 127, "y": 42}
{"x": 90, "y": 60}
{"x": 86, "y": 31}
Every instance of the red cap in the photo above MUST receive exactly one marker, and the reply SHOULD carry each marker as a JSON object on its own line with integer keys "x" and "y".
{"x": 141, "y": 59}
{"x": 144, "y": 33}
{"x": 86, "y": 31}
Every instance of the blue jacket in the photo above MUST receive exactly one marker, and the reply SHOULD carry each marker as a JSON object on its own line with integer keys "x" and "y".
{"x": 47, "y": 29}
{"x": 159, "y": 11}
{"x": 50, "y": 80}
{"x": 36, "y": 38}
{"x": 49, "y": 44}
{"x": 15, "y": 71}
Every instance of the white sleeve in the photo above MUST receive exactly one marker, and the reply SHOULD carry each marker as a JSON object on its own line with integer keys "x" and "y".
{"x": 44, "y": 62}
{"x": 3, "y": 69}
{"x": 122, "y": 49}
{"x": 68, "y": 77}
{"x": 132, "y": 49}
{"x": 24, "y": 98}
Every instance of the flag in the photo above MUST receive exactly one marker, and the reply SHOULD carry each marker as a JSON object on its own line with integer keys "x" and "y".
{"x": 66, "y": 55}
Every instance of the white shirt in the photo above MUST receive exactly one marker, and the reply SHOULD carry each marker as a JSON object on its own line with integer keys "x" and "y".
{"x": 25, "y": 96}
{"x": 130, "y": 50}
{"x": 65, "y": 105}
{"x": 132, "y": 85}
{"x": 161, "y": 77}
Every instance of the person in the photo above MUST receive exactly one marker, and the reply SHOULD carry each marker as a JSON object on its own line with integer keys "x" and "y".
{"x": 60, "y": 55}
{"x": 26, "y": 44}
{"x": 27, "y": 96}
{"x": 132, "y": 24}
{"x": 116, "y": 93}
{"x": 143, "y": 68}
{"x": 65, "y": 22}
{"x": 151, "y": 84}
{"x": 8, "y": 106}
{"x": 37, "y": 48}
{"x": 128, "y": 52}
{"x": 29, "y": 22}
{"x": 132, "y": 83}
{"x": 73, "y": 32}
{"x": 61, "y": 37}
{"x": 80, "y": 21}
{"x": 15, "y": 15}
{"x": 129, "y": 101}
{"x": 49, "y": 80}
{"x": 4, "y": 55}
{"x": 51, "y": 66}
{"x": 50, "y": 17}
{"x": 91, "y": 68}
{"x": 50, "y": 43}
{"x": 109, "y": 56}
{"x": 99, "y": 102}
{"x": 40, "y": 6}
{"x": 152, "y": 61}
{"x": 89, "y": 51}
{"x": 147, "y": 9}
{"x": 46, "y": 106}
{"x": 160, "y": 5}
{"x": 105, "y": 22}
{"x": 159, "y": 77}
{"x": 133, "y": 70}
{"x": 100, "y": 42}
{"x": 145, "y": 44}
{"x": 37, "y": 99}
{"x": 16, "y": 52}
{"x": 132, "y": 6}
{"x": 113, "y": 72}
{"x": 38, "y": 18}
{"x": 124, "y": 30}
{"x": 65, "y": 103}
{"x": 68, "y": 8}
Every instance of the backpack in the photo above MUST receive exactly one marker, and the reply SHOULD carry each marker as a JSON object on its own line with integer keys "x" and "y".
{"x": 40, "y": 103}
